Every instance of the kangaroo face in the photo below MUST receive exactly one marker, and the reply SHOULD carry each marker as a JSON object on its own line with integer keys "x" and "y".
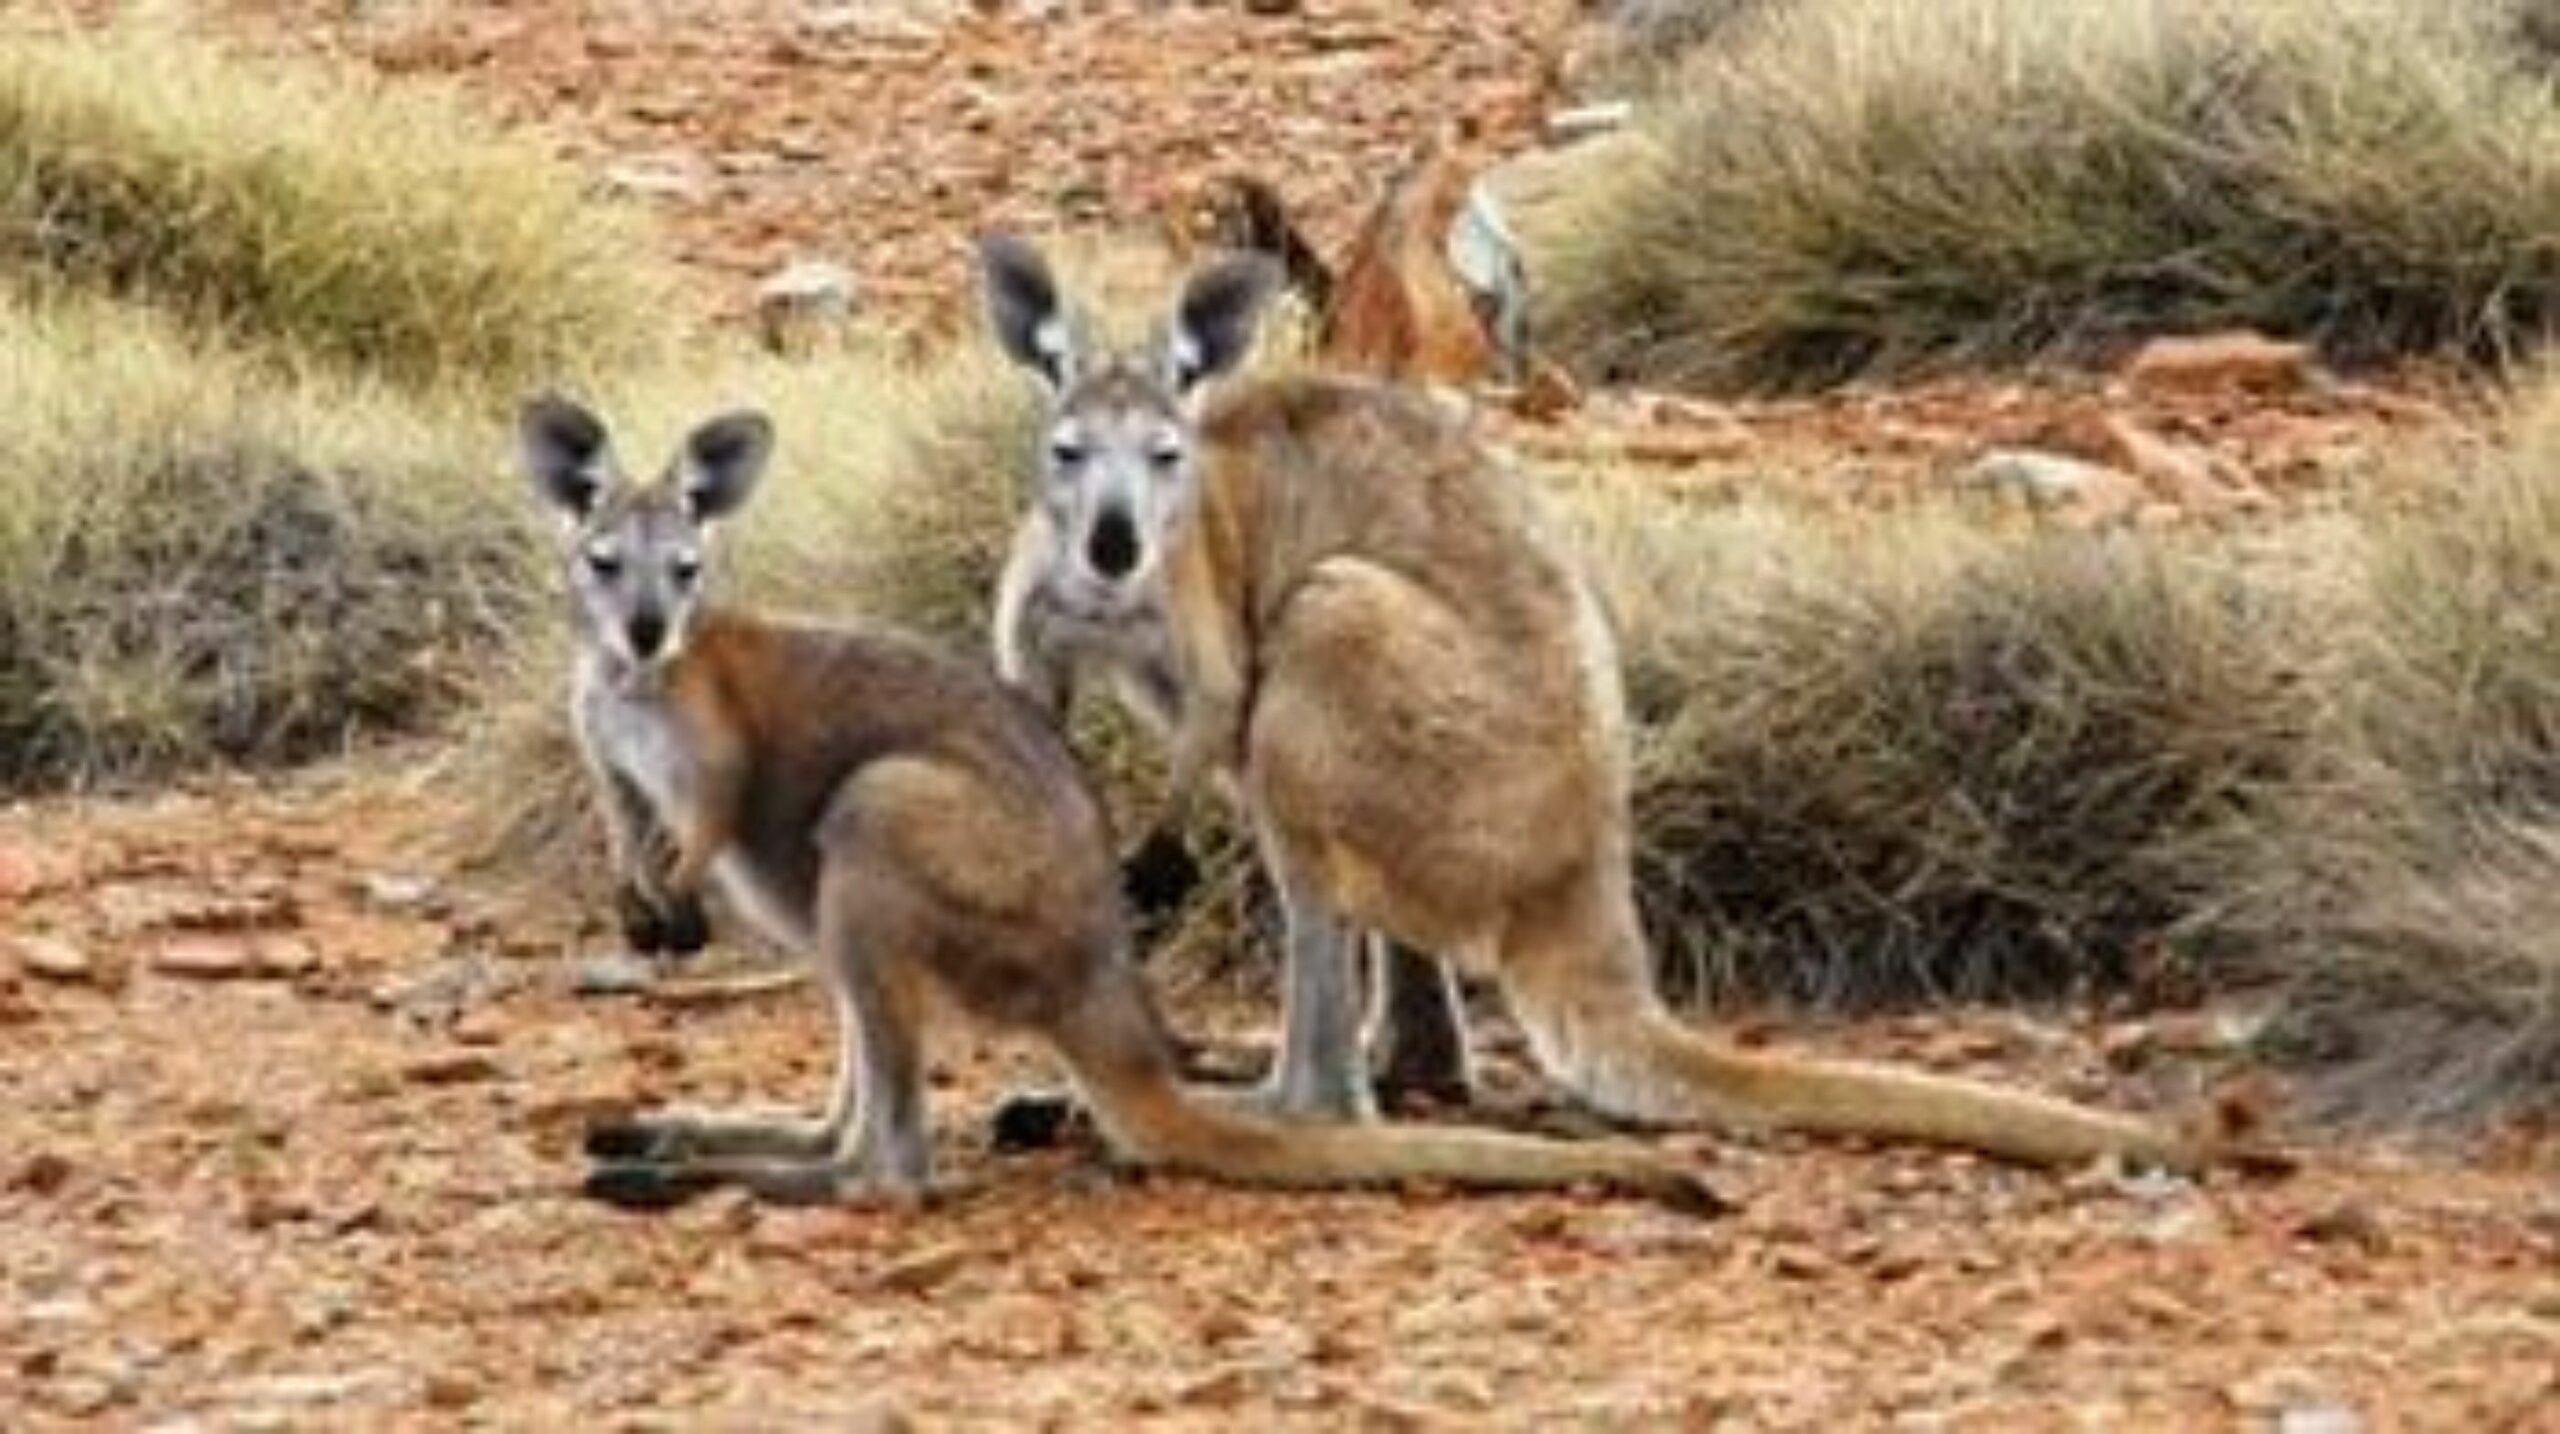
{"x": 634, "y": 554}
{"x": 1119, "y": 472}
{"x": 1115, "y": 480}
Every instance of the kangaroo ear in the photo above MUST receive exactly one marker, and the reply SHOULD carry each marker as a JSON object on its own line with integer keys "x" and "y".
{"x": 1024, "y": 310}
{"x": 722, "y": 461}
{"x": 1213, "y": 323}
{"x": 566, "y": 452}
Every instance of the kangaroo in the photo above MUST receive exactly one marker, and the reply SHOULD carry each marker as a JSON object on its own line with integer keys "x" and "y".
{"x": 1351, "y": 615}
{"x": 915, "y": 827}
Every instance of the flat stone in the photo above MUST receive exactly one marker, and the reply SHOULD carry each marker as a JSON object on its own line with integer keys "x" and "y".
{"x": 53, "y": 959}
{"x": 615, "y": 973}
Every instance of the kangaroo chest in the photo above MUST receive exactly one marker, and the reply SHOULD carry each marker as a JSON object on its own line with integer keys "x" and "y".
{"x": 641, "y": 741}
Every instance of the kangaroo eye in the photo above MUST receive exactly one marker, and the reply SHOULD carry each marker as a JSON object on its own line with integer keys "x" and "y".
{"x": 604, "y": 565}
{"x": 1065, "y": 453}
{"x": 1165, "y": 457}
{"x": 687, "y": 570}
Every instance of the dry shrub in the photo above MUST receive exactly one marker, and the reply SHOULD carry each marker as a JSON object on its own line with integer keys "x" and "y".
{"x": 1858, "y": 186}
{"x": 202, "y": 559}
{"x": 324, "y": 212}
{"x": 2407, "y": 891}
{"x": 1898, "y": 756}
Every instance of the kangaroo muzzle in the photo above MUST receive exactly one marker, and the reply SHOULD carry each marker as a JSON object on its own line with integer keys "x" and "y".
{"x": 647, "y": 633}
{"x": 1111, "y": 546}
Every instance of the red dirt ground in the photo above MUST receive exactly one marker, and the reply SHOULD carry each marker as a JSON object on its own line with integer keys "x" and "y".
{"x": 291, "y": 1116}
{"x": 291, "y": 1140}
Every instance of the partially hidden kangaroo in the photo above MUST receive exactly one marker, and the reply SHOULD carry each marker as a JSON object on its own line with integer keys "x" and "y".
{"x": 1348, "y": 612}
{"x": 914, "y": 826}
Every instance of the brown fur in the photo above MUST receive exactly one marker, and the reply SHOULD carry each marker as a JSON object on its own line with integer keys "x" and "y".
{"x": 916, "y": 827}
{"x": 1422, "y": 708}
{"x": 1397, "y": 308}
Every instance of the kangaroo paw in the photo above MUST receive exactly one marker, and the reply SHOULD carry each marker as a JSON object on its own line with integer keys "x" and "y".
{"x": 639, "y": 1186}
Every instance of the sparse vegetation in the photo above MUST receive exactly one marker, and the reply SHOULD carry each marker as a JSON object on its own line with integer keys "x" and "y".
{"x": 200, "y": 558}
{"x": 1900, "y": 757}
{"x": 322, "y": 213}
{"x": 2406, "y": 892}
{"x": 1880, "y": 758}
{"x": 1853, "y": 187}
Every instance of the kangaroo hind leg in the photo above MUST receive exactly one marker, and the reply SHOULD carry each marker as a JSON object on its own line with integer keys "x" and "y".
{"x": 873, "y": 1140}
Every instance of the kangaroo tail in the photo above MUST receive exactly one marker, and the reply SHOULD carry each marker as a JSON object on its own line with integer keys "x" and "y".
{"x": 1597, "y": 1025}
{"x": 1146, "y": 1112}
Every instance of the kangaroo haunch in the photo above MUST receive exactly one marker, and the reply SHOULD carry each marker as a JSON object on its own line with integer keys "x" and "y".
{"x": 909, "y": 823}
{"x": 1340, "y": 605}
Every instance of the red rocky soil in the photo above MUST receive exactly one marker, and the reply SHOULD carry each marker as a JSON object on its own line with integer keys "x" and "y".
{"x": 291, "y": 1133}
{"x": 290, "y": 1120}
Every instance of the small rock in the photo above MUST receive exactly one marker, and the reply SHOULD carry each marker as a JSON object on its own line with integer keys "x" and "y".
{"x": 2053, "y": 483}
{"x": 205, "y": 958}
{"x": 285, "y": 957}
{"x": 53, "y": 959}
{"x": 615, "y": 973}
{"x": 2349, "y": 1222}
{"x": 923, "y": 1271}
{"x": 877, "y": 1416}
{"x": 397, "y": 893}
{"x": 457, "y": 1067}
{"x": 2237, "y": 359}
{"x": 644, "y": 180}
{"x": 1571, "y": 126}
{"x": 805, "y": 307}
{"x": 2319, "y": 1419}
{"x": 449, "y": 1389}
{"x": 1222, "y": 1388}
{"x": 26, "y": 870}
{"x": 1795, "y": 1262}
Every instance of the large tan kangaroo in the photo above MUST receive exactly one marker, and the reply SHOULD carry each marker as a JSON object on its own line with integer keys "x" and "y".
{"x": 1345, "y": 609}
{"x": 914, "y": 826}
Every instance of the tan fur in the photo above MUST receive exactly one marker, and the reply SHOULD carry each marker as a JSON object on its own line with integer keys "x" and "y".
{"x": 915, "y": 826}
{"x": 1437, "y": 731}
{"x": 1379, "y": 640}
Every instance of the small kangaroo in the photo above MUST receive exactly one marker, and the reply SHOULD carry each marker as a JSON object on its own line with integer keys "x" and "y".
{"x": 1338, "y": 603}
{"x": 914, "y": 826}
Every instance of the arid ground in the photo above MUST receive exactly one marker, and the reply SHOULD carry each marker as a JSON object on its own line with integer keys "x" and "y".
{"x": 289, "y": 1110}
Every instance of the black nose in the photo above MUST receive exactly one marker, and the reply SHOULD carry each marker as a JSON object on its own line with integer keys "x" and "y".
{"x": 1112, "y": 547}
{"x": 647, "y": 630}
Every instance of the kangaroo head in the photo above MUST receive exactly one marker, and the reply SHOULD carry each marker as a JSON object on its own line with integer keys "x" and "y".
{"x": 634, "y": 553}
{"x": 1117, "y": 472}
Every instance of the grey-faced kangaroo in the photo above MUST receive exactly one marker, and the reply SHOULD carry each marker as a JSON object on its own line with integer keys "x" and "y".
{"x": 1344, "y": 608}
{"x": 912, "y": 825}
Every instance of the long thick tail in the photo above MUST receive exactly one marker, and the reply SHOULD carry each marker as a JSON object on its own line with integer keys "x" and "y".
{"x": 1596, "y": 1023}
{"x": 1147, "y": 1113}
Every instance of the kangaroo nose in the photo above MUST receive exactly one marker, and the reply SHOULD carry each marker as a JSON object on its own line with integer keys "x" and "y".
{"x": 648, "y": 630}
{"x": 1112, "y": 547}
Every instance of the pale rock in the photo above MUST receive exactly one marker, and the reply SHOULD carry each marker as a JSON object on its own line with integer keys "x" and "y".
{"x": 53, "y": 959}
{"x": 2236, "y": 359}
{"x": 2054, "y": 484}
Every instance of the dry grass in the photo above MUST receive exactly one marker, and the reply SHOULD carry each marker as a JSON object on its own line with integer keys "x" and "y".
{"x": 319, "y": 212}
{"x": 2406, "y": 891}
{"x": 1850, "y": 187}
{"x": 1899, "y": 756}
{"x": 200, "y": 558}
